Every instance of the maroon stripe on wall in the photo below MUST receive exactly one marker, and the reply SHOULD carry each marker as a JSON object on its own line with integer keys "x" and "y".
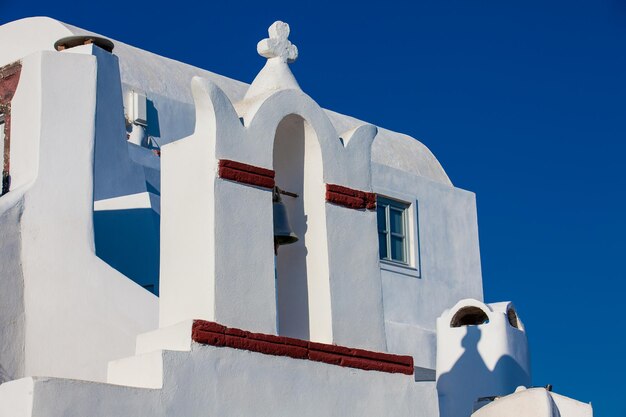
{"x": 350, "y": 198}
{"x": 214, "y": 334}
{"x": 246, "y": 174}
{"x": 9, "y": 78}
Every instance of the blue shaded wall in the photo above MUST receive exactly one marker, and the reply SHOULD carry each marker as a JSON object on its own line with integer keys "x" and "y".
{"x": 128, "y": 240}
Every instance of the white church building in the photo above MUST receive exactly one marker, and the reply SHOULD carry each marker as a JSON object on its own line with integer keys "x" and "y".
{"x": 177, "y": 243}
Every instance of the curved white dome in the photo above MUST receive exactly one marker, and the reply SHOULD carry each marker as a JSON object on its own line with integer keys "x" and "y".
{"x": 397, "y": 150}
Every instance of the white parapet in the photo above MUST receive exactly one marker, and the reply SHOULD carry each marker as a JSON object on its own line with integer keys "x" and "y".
{"x": 223, "y": 381}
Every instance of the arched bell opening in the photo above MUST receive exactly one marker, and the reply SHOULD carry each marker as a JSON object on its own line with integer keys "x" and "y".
{"x": 302, "y": 286}
{"x": 469, "y": 316}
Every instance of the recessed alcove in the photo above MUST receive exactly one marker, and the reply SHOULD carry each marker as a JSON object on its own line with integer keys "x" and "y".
{"x": 302, "y": 267}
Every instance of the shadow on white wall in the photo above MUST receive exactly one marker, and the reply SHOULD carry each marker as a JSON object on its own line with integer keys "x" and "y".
{"x": 481, "y": 352}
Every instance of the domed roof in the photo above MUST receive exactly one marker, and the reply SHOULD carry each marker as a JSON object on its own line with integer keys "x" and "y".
{"x": 397, "y": 150}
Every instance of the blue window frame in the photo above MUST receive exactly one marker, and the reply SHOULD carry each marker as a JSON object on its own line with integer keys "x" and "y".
{"x": 393, "y": 241}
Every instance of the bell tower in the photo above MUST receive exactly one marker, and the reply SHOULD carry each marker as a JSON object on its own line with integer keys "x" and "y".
{"x": 218, "y": 196}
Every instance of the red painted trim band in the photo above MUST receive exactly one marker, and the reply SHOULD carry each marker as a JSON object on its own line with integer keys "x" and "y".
{"x": 9, "y": 78}
{"x": 347, "y": 197}
{"x": 246, "y": 174}
{"x": 214, "y": 334}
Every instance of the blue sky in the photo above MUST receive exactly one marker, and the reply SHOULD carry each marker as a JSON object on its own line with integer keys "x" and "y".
{"x": 523, "y": 103}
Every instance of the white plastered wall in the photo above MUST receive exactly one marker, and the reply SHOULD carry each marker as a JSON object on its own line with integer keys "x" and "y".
{"x": 210, "y": 381}
{"x": 12, "y": 289}
{"x": 187, "y": 277}
{"x": 444, "y": 264}
{"x": 79, "y": 313}
{"x": 212, "y": 244}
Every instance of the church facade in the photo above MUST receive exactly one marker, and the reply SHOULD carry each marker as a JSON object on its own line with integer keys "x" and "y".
{"x": 175, "y": 242}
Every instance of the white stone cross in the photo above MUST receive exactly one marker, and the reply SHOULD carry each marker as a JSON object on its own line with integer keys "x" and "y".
{"x": 277, "y": 45}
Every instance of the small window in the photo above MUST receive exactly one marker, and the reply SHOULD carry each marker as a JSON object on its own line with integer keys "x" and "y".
{"x": 393, "y": 238}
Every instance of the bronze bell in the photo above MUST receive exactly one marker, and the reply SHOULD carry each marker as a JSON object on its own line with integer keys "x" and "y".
{"x": 283, "y": 234}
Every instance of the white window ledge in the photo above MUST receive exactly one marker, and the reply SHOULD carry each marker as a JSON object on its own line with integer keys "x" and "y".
{"x": 399, "y": 268}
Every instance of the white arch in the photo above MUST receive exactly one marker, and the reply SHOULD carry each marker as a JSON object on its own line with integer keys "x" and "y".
{"x": 253, "y": 141}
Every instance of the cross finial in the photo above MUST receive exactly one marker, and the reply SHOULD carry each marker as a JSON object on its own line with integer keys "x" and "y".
{"x": 277, "y": 45}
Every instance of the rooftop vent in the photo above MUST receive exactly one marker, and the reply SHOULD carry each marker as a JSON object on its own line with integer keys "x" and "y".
{"x": 72, "y": 41}
{"x": 469, "y": 316}
{"x": 511, "y": 315}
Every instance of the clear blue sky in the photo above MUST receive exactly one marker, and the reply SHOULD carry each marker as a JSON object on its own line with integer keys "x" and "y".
{"x": 523, "y": 103}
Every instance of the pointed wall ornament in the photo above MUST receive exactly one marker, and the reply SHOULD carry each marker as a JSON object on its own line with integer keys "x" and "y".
{"x": 276, "y": 74}
{"x": 277, "y": 45}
